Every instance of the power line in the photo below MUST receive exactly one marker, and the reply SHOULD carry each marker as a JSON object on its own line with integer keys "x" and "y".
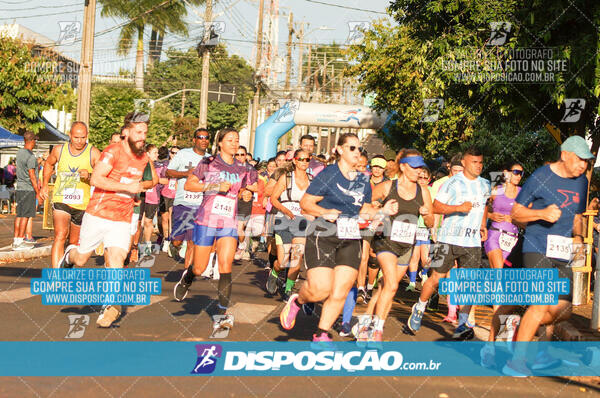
{"x": 346, "y": 7}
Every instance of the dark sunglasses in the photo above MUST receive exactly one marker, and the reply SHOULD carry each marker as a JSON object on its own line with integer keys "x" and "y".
{"x": 122, "y": 137}
{"x": 303, "y": 159}
{"x": 174, "y": 152}
{"x": 517, "y": 172}
{"x": 240, "y": 154}
{"x": 202, "y": 137}
{"x": 354, "y": 148}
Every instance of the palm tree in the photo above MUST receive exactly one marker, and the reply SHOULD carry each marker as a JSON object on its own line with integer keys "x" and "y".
{"x": 162, "y": 15}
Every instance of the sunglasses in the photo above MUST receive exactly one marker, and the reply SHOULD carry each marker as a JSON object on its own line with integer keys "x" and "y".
{"x": 174, "y": 152}
{"x": 354, "y": 148}
{"x": 517, "y": 172}
{"x": 122, "y": 137}
{"x": 202, "y": 137}
{"x": 240, "y": 154}
{"x": 303, "y": 159}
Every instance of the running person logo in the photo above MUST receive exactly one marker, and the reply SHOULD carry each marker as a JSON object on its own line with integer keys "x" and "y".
{"x": 207, "y": 358}
{"x": 77, "y": 324}
{"x": 68, "y": 32}
{"x": 286, "y": 112}
{"x": 499, "y": 33}
{"x": 356, "y": 31}
{"x": 431, "y": 109}
{"x": 351, "y": 115}
{"x": 573, "y": 109}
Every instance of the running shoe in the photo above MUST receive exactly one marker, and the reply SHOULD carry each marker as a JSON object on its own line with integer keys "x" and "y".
{"x": 322, "y": 342}
{"x": 225, "y": 322}
{"x": 29, "y": 240}
{"x": 271, "y": 283}
{"x": 165, "y": 247}
{"x": 434, "y": 303}
{"x": 363, "y": 329}
{"x": 463, "y": 332}
{"x": 108, "y": 316}
{"x": 20, "y": 246}
{"x": 308, "y": 308}
{"x": 516, "y": 369}
{"x": 172, "y": 251}
{"x": 511, "y": 325}
{"x": 62, "y": 263}
{"x": 134, "y": 255}
{"x": 415, "y": 318}
{"x": 375, "y": 340}
{"x": 181, "y": 288}
{"x": 245, "y": 255}
{"x": 450, "y": 318}
{"x": 543, "y": 360}
{"x": 238, "y": 255}
{"x": 346, "y": 330}
{"x": 412, "y": 287}
{"x": 487, "y": 356}
{"x": 289, "y": 312}
{"x": 361, "y": 296}
{"x": 424, "y": 277}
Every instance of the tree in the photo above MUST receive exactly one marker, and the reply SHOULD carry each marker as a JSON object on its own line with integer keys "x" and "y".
{"x": 161, "y": 15}
{"x": 404, "y": 65}
{"x": 181, "y": 69}
{"x": 27, "y": 86}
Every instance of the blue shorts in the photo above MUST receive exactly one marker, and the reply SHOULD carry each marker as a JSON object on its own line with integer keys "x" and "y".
{"x": 206, "y": 236}
{"x": 422, "y": 242}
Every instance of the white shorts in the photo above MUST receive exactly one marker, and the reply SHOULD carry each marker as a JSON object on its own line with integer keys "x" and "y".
{"x": 96, "y": 230}
{"x": 255, "y": 225}
{"x": 134, "y": 223}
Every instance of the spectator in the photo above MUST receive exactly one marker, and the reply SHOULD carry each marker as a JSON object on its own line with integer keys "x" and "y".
{"x": 27, "y": 192}
{"x": 10, "y": 172}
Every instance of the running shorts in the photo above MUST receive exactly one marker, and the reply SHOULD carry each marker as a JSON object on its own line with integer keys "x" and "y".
{"x": 76, "y": 214}
{"x": 493, "y": 242}
{"x": 25, "y": 203}
{"x": 206, "y": 236}
{"x": 443, "y": 256}
{"x": 135, "y": 217}
{"x": 256, "y": 225}
{"x": 150, "y": 210}
{"x": 324, "y": 249}
{"x": 96, "y": 230}
{"x": 404, "y": 254}
{"x": 183, "y": 222}
{"x": 165, "y": 204}
{"x": 244, "y": 209}
{"x": 288, "y": 229}
{"x": 538, "y": 260}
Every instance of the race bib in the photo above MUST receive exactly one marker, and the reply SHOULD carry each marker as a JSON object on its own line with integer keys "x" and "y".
{"x": 294, "y": 207}
{"x": 403, "y": 232}
{"x": 423, "y": 234}
{"x": 193, "y": 197}
{"x": 73, "y": 197}
{"x": 223, "y": 206}
{"x": 347, "y": 228}
{"x": 507, "y": 241}
{"x": 559, "y": 247}
{"x": 172, "y": 184}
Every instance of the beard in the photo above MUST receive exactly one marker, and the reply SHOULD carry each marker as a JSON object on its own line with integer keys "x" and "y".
{"x": 136, "y": 151}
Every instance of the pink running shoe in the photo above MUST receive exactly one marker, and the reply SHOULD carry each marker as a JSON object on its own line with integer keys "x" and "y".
{"x": 289, "y": 312}
{"x": 322, "y": 342}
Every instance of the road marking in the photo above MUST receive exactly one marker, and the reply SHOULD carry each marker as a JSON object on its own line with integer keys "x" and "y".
{"x": 249, "y": 312}
{"x": 14, "y": 295}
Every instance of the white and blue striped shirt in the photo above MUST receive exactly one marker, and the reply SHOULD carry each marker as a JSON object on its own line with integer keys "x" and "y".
{"x": 462, "y": 229}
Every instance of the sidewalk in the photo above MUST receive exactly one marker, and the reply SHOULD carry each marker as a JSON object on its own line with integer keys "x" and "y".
{"x": 43, "y": 239}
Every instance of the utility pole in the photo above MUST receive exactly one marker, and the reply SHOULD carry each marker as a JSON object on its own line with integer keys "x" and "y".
{"x": 84, "y": 84}
{"x": 288, "y": 66}
{"x": 202, "y": 120}
{"x": 309, "y": 69}
{"x": 300, "y": 43}
{"x": 259, "y": 39}
{"x": 182, "y": 101}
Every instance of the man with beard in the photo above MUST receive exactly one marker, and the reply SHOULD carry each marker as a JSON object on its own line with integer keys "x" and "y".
{"x": 74, "y": 164}
{"x": 117, "y": 179}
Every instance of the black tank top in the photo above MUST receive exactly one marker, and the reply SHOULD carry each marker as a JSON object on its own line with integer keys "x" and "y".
{"x": 405, "y": 207}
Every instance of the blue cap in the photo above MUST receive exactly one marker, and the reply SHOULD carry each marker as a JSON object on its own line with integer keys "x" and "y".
{"x": 414, "y": 161}
{"x": 578, "y": 146}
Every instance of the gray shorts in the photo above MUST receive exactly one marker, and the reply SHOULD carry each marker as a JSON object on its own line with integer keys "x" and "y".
{"x": 443, "y": 256}
{"x": 25, "y": 204}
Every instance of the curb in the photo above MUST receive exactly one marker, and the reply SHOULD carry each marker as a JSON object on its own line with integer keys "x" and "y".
{"x": 565, "y": 331}
{"x": 26, "y": 254}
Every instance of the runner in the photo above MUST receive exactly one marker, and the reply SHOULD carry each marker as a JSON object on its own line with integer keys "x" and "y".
{"x": 167, "y": 195}
{"x": 186, "y": 202}
{"x": 152, "y": 200}
{"x": 421, "y": 251}
{"x": 462, "y": 200}
{"x": 74, "y": 164}
{"x": 244, "y": 208}
{"x": 557, "y": 194}
{"x": 116, "y": 178}
{"x": 307, "y": 144}
{"x": 394, "y": 248}
{"x": 332, "y": 255}
{"x": 290, "y": 226}
{"x": 221, "y": 179}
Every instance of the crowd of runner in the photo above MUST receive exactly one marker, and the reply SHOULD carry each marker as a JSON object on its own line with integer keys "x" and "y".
{"x": 339, "y": 232}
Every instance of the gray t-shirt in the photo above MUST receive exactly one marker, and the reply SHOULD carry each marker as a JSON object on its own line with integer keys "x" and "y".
{"x": 26, "y": 160}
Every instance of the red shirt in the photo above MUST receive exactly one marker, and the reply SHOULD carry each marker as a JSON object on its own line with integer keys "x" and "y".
{"x": 126, "y": 168}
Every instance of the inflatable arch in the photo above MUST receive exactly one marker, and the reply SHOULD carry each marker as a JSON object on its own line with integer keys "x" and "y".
{"x": 294, "y": 113}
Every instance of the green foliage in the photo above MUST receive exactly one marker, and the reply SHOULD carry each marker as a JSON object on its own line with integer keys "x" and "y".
{"x": 27, "y": 87}
{"x": 66, "y": 98}
{"x": 161, "y": 124}
{"x": 109, "y": 107}
{"x": 183, "y": 69}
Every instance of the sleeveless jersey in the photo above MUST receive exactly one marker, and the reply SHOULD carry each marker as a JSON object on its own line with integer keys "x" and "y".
{"x": 68, "y": 188}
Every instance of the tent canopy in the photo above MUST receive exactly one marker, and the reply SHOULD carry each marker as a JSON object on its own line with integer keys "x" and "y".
{"x": 8, "y": 139}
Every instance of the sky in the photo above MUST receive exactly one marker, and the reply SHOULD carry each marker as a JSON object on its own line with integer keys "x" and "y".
{"x": 326, "y": 24}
